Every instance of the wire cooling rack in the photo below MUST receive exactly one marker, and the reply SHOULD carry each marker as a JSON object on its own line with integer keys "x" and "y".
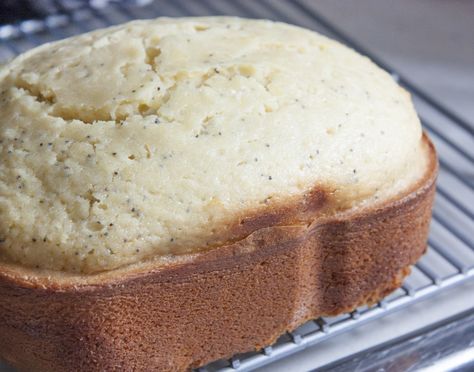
{"x": 450, "y": 259}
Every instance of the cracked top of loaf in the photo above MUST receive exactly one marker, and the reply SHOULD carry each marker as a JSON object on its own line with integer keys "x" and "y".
{"x": 153, "y": 137}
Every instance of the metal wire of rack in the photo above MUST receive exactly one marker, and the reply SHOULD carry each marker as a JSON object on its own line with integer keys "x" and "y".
{"x": 450, "y": 259}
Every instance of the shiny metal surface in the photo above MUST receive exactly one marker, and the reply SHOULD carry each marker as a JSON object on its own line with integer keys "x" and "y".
{"x": 442, "y": 346}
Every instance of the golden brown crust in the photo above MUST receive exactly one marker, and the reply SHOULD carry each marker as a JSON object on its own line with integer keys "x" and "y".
{"x": 185, "y": 312}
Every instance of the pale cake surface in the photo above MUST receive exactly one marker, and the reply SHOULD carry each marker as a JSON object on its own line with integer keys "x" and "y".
{"x": 144, "y": 139}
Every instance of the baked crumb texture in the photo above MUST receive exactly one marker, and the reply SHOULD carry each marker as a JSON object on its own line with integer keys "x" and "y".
{"x": 146, "y": 139}
{"x": 221, "y": 302}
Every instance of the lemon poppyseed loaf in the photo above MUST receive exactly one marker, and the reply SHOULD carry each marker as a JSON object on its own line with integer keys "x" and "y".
{"x": 174, "y": 191}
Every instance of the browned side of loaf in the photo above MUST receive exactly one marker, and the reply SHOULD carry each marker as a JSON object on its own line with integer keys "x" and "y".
{"x": 232, "y": 299}
{"x": 174, "y": 315}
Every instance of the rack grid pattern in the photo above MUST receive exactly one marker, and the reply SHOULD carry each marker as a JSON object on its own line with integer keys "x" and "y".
{"x": 450, "y": 258}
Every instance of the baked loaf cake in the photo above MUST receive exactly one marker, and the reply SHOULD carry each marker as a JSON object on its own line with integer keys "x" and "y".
{"x": 175, "y": 191}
